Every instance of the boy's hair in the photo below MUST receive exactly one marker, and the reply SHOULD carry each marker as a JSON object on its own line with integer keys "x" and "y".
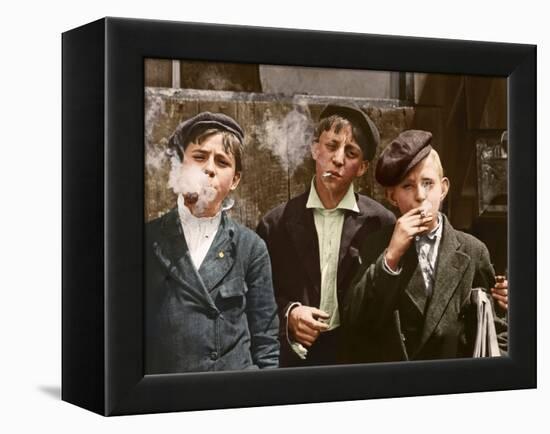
{"x": 231, "y": 143}
{"x": 338, "y": 122}
{"x": 363, "y": 129}
{"x": 434, "y": 155}
{"x": 404, "y": 152}
{"x": 203, "y": 125}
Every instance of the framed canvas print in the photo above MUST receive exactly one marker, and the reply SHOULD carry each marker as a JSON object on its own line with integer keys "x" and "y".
{"x": 258, "y": 216}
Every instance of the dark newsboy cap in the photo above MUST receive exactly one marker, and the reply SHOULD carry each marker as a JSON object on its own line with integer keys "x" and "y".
{"x": 184, "y": 131}
{"x": 406, "y": 151}
{"x": 360, "y": 120}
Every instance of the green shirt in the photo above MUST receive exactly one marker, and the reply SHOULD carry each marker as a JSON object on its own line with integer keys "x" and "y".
{"x": 329, "y": 224}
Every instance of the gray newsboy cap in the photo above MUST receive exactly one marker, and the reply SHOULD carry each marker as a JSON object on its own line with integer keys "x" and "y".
{"x": 407, "y": 150}
{"x": 184, "y": 131}
{"x": 359, "y": 119}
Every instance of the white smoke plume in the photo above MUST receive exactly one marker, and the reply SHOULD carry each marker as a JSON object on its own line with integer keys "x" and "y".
{"x": 192, "y": 183}
{"x": 426, "y": 206}
{"x": 289, "y": 139}
{"x": 155, "y": 106}
{"x": 155, "y": 154}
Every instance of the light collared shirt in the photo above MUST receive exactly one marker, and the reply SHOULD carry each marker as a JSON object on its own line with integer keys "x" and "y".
{"x": 199, "y": 232}
{"x": 427, "y": 249}
{"x": 329, "y": 224}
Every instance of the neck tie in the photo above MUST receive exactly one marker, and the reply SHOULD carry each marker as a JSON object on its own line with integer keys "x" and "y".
{"x": 425, "y": 253}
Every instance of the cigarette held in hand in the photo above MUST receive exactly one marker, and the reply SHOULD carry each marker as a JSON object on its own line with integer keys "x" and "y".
{"x": 426, "y": 207}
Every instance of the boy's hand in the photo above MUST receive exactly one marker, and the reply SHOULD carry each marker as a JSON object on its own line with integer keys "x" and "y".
{"x": 410, "y": 224}
{"x": 500, "y": 292}
{"x": 304, "y": 324}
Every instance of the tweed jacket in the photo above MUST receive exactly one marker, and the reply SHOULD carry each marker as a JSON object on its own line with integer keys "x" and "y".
{"x": 390, "y": 318}
{"x": 222, "y": 316}
{"x": 291, "y": 238}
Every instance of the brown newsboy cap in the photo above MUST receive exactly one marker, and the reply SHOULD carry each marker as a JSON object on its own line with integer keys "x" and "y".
{"x": 406, "y": 151}
{"x": 184, "y": 131}
{"x": 359, "y": 119}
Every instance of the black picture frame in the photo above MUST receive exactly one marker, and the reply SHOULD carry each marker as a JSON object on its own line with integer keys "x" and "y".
{"x": 103, "y": 198}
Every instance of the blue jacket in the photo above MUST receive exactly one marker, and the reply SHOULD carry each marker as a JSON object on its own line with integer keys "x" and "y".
{"x": 221, "y": 317}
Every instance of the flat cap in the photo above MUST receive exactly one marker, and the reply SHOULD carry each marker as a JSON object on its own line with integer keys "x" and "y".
{"x": 357, "y": 117}
{"x": 204, "y": 120}
{"x": 407, "y": 150}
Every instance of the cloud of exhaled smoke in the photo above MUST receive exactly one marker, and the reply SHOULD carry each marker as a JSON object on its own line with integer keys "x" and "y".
{"x": 192, "y": 183}
{"x": 289, "y": 138}
{"x": 155, "y": 154}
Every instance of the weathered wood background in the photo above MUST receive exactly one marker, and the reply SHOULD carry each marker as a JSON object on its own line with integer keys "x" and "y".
{"x": 277, "y": 163}
{"x": 459, "y": 110}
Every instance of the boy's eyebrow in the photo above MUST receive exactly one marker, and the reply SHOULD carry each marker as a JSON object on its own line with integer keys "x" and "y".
{"x": 353, "y": 145}
{"x": 206, "y": 152}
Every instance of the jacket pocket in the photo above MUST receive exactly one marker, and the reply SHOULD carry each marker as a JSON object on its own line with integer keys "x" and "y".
{"x": 231, "y": 300}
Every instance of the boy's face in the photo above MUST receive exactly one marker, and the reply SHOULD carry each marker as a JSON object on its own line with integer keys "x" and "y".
{"x": 211, "y": 158}
{"x": 422, "y": 186}
{"x": 338, "y": 160}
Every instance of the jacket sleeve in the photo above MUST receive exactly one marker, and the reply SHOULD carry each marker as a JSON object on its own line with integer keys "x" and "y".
{"x": 372, "y": 297}
{"x": 282, "y": 299}
{"x": 484, "y": 278}
{"x": 261, "y": 309}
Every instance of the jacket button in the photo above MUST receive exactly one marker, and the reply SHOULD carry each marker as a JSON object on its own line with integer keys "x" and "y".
{"x": 213, "y": 355}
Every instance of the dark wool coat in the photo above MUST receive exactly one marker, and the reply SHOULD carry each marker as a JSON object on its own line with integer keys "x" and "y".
{"x": 291, "y": 238}
{"x": 390, "y": 318}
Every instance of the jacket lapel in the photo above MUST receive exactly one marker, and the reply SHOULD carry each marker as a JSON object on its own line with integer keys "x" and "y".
{"x": 352, "y": 224}
{"x": 301, "y": 227}
{"x": 415, "y": 289}
{"x": 173, "y": 254}
{"x": 221, "y": 255}
{"x": 450, "y": 268}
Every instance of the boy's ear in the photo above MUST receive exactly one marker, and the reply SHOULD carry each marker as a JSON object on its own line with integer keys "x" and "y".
{"x": 236, "y": 180}
{"x": 315, "y": 150}
{"x": 445, "y": 185}
{"x": 363, "y": 168}
{"x": 390, "y": 196}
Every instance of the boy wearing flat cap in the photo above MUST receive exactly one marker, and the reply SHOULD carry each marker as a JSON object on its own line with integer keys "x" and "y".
{"x": 412, "y": 297}
{"x": 209, "y": 294}
{"x": 313, "y": 238}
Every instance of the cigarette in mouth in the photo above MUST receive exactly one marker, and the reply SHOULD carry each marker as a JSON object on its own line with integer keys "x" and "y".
{"x": 326, "y": 174}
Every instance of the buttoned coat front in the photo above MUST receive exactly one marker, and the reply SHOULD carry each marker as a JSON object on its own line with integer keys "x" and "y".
{"x": 290, "y": 234}
{"x": 222, "y": 316}
{"x": 391, "y": 317}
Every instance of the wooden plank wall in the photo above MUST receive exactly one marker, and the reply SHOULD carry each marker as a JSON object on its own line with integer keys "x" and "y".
{"x": 458, "y": 110}
{"x": 277, "y": 163}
